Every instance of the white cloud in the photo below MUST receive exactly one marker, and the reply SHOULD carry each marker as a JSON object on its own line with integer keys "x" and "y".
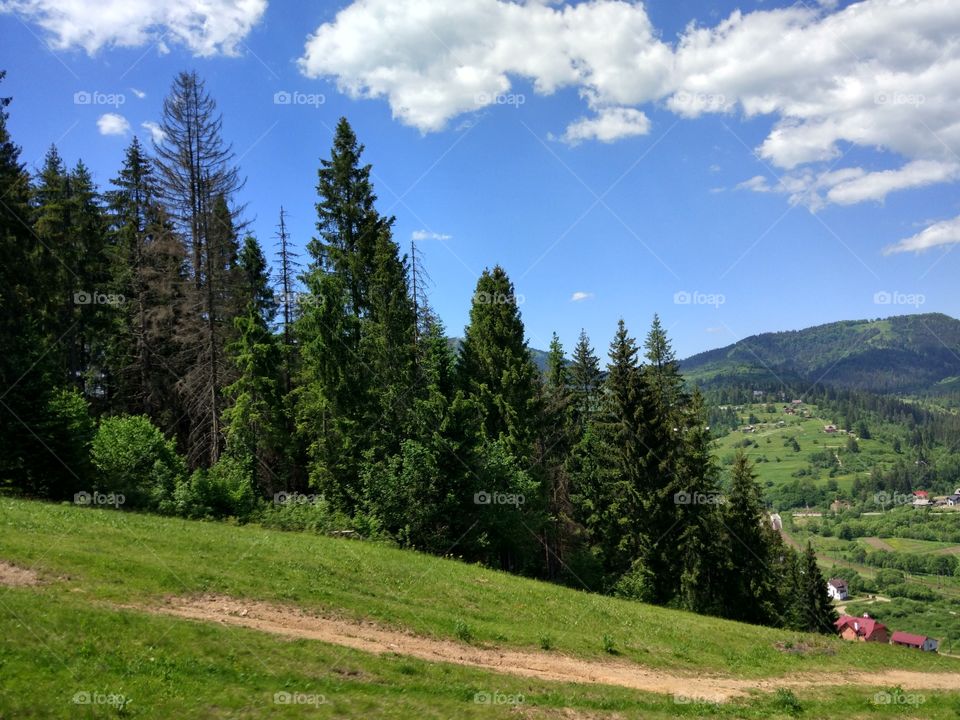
{"x": 758, "y": 183}
{"x": 877, "y": 185}
{"x": 205, "y": 27}
{"x": 435, "y": 59}
{"x": 429, "y": 235}
{"x": 140, "y": 94}
{"x": 113, "y": 124}
{"x": 156, "y": 133}
{"x": 946, "y": 232}
{"x": 580, "y": 296}
{"x": 878, "y": 74}
{"x": 610, "y": 124}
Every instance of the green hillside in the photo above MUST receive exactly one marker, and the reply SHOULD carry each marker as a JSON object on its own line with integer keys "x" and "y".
{"x": 88, "y": 630}
{"x": 904, "y": 354}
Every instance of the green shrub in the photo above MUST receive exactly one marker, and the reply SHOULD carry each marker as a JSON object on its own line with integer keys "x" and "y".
{"x": 133, "y": 457}
{"x": 463, "y": 631}
{"x": 225, "y": 490}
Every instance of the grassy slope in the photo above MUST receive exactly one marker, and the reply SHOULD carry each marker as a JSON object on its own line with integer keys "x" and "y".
{"x": 811, "y": 438}
{"x": 63, "y": 637}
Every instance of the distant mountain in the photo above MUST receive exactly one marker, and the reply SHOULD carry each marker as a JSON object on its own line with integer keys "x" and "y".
{"x": 904, "y": 354}
{"x": 539, "y": 356}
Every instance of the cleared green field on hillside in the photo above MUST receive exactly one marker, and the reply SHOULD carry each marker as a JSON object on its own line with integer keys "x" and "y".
{"x": 84, "y": 630}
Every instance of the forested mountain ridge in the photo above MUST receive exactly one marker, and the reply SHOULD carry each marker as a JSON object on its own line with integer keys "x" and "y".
{"x": 902, "y": 354}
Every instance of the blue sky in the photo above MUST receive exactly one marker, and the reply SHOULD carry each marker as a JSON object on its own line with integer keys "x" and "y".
{"x": 770, "y": 167}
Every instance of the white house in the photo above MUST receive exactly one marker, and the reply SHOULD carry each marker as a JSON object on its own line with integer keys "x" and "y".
{"x": 837, "y": 589}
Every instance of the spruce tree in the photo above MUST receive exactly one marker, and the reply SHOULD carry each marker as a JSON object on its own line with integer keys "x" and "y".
{"x": 356, "y": 330}
{"x": 585, "y": 380}
{"x": 198, "y": 181}
{"x": 500, "y": 404}
{"x": 255, "y": 421}
{"x": 750, "y": 592}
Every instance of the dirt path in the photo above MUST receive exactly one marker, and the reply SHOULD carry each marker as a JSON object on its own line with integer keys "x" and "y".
{"x": 369, "y": 637}
{"x": 877, "y": 543}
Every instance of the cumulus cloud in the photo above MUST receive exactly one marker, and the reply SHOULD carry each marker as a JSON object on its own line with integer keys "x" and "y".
{"x": 156, "y": 132}
{"x": 205, "y": 27}
{"x": 580, "y": 296}
{"x": 609, "y": 125}
{"x": 429, "y": 235}
{"x": 946, "y": 232}
{"x": 435, "y": 59}
{"x": 879, "y": 74}
{"x": 113, "y": 124}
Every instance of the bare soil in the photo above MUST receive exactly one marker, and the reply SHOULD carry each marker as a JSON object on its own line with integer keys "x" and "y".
{"x": 542, "y": 665}
{"x": 13, "y": 576}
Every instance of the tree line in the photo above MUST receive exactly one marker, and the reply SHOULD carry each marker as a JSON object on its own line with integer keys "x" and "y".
{"x": 152, "y": 354}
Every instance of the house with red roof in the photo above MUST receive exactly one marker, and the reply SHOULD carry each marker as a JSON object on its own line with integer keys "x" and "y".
{"x": 920, "y": 642}
{"x": 861, "y": 629}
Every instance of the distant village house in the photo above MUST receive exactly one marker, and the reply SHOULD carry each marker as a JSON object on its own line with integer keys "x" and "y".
{"x": 919, "y": 642}
{"x": 862, "y": 629}
{"x": 837, "y": 589}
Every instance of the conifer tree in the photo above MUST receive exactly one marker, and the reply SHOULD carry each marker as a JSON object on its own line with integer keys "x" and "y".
{"x": 356, "y": 331}
{"x": 749, "y": 593}
{"x": 255, "y": 421}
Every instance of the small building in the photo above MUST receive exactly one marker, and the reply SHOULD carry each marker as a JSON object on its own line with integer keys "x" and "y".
{"x": 921, "y": 498}
{"x": 861, "y": 629}
{"x": 953, "y": 499}
{"x": 837, "y": 589}
{"x": 749, "y": 429}
{"x": 838, "y": 505}
{"x": 829, "y": 428}
{"x": 796, "y": 402}
{"x": 919, "y": 642}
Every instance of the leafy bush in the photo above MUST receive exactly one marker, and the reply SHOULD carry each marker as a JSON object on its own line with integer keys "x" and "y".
{"x": 133, "y": 457}
{"x": 225, "y": 490}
